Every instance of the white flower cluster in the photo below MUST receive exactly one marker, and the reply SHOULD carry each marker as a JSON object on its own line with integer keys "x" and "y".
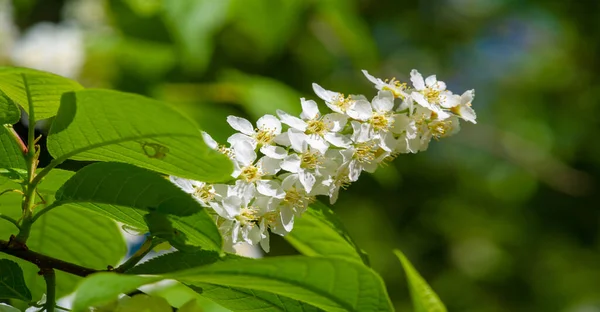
{"x": 285, "y": 161}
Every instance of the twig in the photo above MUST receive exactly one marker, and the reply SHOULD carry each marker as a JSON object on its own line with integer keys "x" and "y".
{"x": 50, "y": 278}
{"x": 11, "y": 220}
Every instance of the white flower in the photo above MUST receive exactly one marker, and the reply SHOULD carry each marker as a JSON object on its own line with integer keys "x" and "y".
{"x": 355, "y": 106}
{"x": 307, "y": 163}
{"x": 464, "y": 109}
{"x": 432, "y": 94}
{"x": 240, "y": 217}
{"x": 321, "y": 130}
{"x": 268, "y": 128}
{"x": 397, "y": 88}
{"x": 204, "y": 193}
{"x": 364, "y": 154}
{"x": 245, "y": 167}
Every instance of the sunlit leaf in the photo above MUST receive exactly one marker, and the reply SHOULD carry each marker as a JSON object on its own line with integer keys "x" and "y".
{"x": 423, "y": 297}
{"x": 44, "y": 89}
{"x": 320, "y": 233}
{"x": 12, "y": 283}
{"x": 115, "y": 126}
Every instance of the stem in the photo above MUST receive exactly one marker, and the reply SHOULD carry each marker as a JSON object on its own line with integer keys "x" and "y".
{"x": 146, "y": 247}
{"x": 50, "y": 278}
{"x": 43, "y": 211}
{"x": 11, "y": 220}
{"x": 29, "y": 198}
{"x": 31, "y": 132}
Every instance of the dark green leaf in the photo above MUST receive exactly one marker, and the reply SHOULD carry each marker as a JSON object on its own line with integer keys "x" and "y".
{"x": 423, "y": 297}
{"x": 197, "y": 229}
{"x": 9, "y": 112}
{"x": 11, "y": 155}
{"x": 234, "y": 298}
{"x": 69, "y": 233}
{"x": 115, "y": 126}
{"x": 320, "y": 233}
{"x": 44, "y": 89}
{"x": 126, "y": 185}
{"x": 176, "y": 261}
{"x": 331, "y": 284}
{"x": 12, "y": 284}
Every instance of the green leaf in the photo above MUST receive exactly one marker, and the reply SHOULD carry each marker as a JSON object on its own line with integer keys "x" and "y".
{"x": 44, "y": 89}
{"x": 176, "y": 261}
{"x": 11, "y": 155}
{"x": 12, "y": 284}
{"x": 68, "y": 233}
{"x": 9, "y": 112}
{"x": 198, "y": 229}
{"x": 331, "y": 284}
{"x": 320, "y": 233}
{"x": 423, "y": 297}
{"x": 129, "y": 186}
{"x": 115, "y": 126}
{"x": 234, "y": 298}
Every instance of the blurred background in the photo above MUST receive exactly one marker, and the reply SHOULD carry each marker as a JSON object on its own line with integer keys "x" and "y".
{"x": 503, "y": 216}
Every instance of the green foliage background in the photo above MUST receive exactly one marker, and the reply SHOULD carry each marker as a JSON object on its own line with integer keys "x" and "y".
{"x": 501, "y": 217}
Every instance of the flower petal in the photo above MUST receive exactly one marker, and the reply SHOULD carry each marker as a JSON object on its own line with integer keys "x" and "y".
{"x": 244, "y": 153}
{"x": 241, "y": 124}
{"x": 237, "y": 138}
{"x": 291, "y": 121}
{"x": 269, "y": 166}
{"x": 298, "y": 140}
{"x": 210, "y": 141}
{"x": 431, "y": 81}
{"x": 270, "y": 188}
{"x": 291, "y": 163}
{"x": 360, "y": 110}
{"x": 335, "y": 121}
{"x": 276, "y": 152}
{"x": 417, "y": 80}
{"x": 383, "y": 102}
{"x": 376, "y": 81}
{"x": 310, "y": 110}
{"x": 326, "y": 95}
{"x": 184, "y": 184}
{"x": 269, "y": 123}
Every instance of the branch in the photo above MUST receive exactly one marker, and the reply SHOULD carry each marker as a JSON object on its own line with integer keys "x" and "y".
{"x": 43, "y": 261}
